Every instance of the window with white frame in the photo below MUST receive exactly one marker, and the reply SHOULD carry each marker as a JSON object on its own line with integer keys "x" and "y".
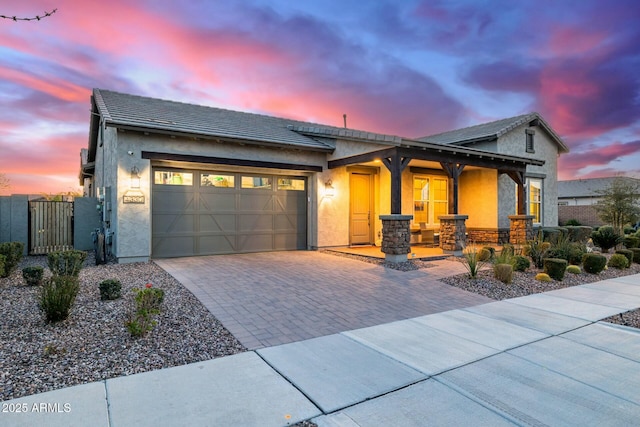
{"x": 420, "y": 199}
{"x": 430, "y": 199}
{"x": 534, "y": 187}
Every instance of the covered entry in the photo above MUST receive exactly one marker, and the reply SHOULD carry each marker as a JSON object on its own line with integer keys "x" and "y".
{"x": 200, "y": 212}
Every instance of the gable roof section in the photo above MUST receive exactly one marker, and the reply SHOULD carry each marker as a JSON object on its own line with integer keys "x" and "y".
{"x": 177, "y": 118}
{"x": 586, "y": 188}
{"x": 492, "y": 131}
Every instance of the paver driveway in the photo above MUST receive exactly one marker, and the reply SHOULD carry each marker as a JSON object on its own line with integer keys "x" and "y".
{"x": 272, "y": 298}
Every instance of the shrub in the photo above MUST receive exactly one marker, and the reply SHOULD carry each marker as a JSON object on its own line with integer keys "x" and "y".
{"x": 503, "y": 272}
{"x": 631, "y": 242}
{"x": 147, "y": 303}
{"x": 508, "y": 249}
{"x": 560, "y": 248}
{"x": 521, "y": 263}
{"x": 572, "y": 222}
{"x": 551, "y": 234}
{"x": 574, "y": 269}
{"x": 66, "y": 263}
{"x": 618, "y": 261}
{"x": 627, "y": 253}
{"x": 484, "y": 255}
{"x": 492, "y": 251}
{"x": 3, "y": 260}
{"x": 33, "y": 275}
{"x": 606, "y": 238}
{"x": 636, "y": 255}
{"x": 628, "y": 230}
{"x": 576, "y": 252}
{"x": 12, "y": 252}
{"x": 543, "y": 277}
{"x": 57, "y": 296}
{"x": 110, "y": 289}
{"x": 536, "y": 249}
{"x": 471, "y": 260}
{"x": 594, "y": 263}
{"x": 579, "y": 234}
{"x": 555, "y": 268}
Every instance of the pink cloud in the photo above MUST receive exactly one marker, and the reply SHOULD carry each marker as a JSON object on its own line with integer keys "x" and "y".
{"x": 53, "y": 86}
{"x": 570, "y": 165}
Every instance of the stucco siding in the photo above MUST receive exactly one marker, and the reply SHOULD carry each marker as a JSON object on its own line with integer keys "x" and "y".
{"x": 478, "y": 197}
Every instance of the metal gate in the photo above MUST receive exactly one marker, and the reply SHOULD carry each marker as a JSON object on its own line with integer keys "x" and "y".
{"x": 50, "y": 227}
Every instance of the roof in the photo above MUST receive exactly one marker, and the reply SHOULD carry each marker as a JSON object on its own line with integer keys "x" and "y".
{"x": 591, "y": 187}
{"x": 145, "y": 114}
{"x": 492, "y": 131}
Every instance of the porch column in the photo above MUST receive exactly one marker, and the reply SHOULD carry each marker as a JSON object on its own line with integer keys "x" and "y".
{"x": 396, "y": 165}
{"x": 396, "y": 237}
{"x": 453, "y": 170}
{"x": 453, "y": 233}
{"x": 521, "y": 229}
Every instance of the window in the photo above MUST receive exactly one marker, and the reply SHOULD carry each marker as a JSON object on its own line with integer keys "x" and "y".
{"x": 291, "y": 184}
{"x": 217, "y": 180}
{"x": 430, "y": 199}
{"x": 262, "y": 182}
{"x": 535, "y": 199}
{"x": 420, "y": 200}
{"x": 530, "y": 143}
{"x": 173, "y": 178}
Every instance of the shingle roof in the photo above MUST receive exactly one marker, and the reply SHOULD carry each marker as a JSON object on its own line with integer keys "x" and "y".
{"x": 491, "y": 131}
{"x": 590, "y": 187}
{"x": 138, "y": 112}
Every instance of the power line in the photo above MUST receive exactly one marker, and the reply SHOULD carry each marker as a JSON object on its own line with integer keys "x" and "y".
{"x": 35, "y": 18}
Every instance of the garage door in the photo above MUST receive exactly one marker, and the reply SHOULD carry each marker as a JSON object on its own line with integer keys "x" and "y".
{"x": 205, "y": 212}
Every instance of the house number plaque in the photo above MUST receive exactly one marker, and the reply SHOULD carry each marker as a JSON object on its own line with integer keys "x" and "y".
{"x": 138, "y": 199}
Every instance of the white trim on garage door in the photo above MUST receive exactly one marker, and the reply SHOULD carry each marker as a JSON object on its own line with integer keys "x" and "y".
{"x": 200, "y": 212}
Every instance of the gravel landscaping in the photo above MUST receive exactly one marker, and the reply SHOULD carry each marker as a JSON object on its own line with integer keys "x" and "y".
{"x": 93, "y": 343}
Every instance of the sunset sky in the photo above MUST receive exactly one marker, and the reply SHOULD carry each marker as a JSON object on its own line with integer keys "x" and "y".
{"x": 405, "y": 67}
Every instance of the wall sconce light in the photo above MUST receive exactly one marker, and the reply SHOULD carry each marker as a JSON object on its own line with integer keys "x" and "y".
{"x": 329, "y": 191}
{"x": 135, "y": 178}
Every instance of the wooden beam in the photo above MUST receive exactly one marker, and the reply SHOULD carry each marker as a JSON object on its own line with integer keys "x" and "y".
{"x": 396, "y": 164}
{"x": 519, "y": 178}
{"x": 453, "y": 170}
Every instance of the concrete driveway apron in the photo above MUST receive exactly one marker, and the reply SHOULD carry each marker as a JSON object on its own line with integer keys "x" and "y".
{"x": 272, "y": 298}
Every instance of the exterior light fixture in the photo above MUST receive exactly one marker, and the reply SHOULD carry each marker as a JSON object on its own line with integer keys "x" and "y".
{"x": 329, "y": 191}
{"x": 135, "y": 178}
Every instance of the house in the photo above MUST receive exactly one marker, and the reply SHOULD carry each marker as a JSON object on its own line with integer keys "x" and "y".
{"x": 179, "y": 179}
{"x": 576, "y": 198}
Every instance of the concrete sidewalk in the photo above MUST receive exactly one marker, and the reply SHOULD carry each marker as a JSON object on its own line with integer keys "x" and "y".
{"x": 540, "y": 359}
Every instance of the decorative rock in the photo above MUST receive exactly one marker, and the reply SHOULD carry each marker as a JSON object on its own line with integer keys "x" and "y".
{"x": 453, "y": 233}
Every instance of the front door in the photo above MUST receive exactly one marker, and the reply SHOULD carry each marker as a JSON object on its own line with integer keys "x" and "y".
{"x": 361, "y": 209}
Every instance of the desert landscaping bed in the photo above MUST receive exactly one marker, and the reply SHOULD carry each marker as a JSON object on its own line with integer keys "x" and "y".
{"x": 93, "y": 343}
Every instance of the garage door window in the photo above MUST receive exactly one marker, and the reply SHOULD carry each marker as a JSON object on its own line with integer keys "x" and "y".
{"x": 173, "y": 178}
{"x": 291, "y": 184}
{"x": 215, "y": 180}
{"x": 262, "y": 182}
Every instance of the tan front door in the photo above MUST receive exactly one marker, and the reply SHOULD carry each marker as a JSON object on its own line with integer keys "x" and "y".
{"x": 361, "y": 209}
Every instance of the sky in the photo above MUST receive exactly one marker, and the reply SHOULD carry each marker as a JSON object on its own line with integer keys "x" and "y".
{"x": 404, "y": 67}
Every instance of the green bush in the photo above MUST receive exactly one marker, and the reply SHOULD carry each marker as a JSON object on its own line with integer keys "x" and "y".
{"x": 579, "y": 234}
{"x": 606, "y": 238}
{"x": 573, "y": 222}
{"x": 536, "y": 249}
{"x": 543, "y": 277}
{"x": 521, "y": 263}
{"x": 618, "y": 261}
{"x": 594, "y": 263}
{"x": 574, "y": 269}
{"x": 555, "y": 267}
{"x": 631, "y": 242}
{"x": 3, "y": 260}
{"x": 484, "y": 255}
{"x": 12, "y": 252}
{"x": 503, "y": 272}
{"x": 628, "y": 230}
{"x": 110, "y": 289}
{"x": 66, "y": 263}
{"x": 636, "y": 255}
{"x": 627, "y": 253}
{"x": 492, "y": 251}
{"x": 551, "y": 234}
{"x": 576, "y": 252}
{"x": 147, "y": 302}
{"x": 57, "y": 296}
{"x": 33, "y": 275}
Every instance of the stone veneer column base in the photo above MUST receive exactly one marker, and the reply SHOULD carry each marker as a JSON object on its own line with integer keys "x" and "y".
{"x": 521, "y": 229}
{"x": 396, "y": 237}
{"x": 453, "y": 237}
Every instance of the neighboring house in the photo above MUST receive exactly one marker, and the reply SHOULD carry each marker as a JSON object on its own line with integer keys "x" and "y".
{"x": 576, "y": 198}
{"x": 181, "y": 179}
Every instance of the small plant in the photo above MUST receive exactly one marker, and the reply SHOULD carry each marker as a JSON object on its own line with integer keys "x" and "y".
{"x": 594, "y": 263}
{"x": 636, "y": 255}
{"x": 503, "y": 272}
{"x": 505, "y": 256}
{"x": 53, "y": 350}
{"x": 520, "y": 263}
{"x": 573, "y": 222}
{"x": 33, "y": 275}
{"x": 606, "y": 238}
{"x": 471, "y": 260}
{"x": 484, "y": 255}
{"x": 576, "y": 252}
{"x": 631, "y": 242}
{"x": 555, "y": 268}
{"x": 627, "y": 253}
{"x": 12, "y": 252}
{"x": 536, "y": 249}
{"x": 543, "y": 277}
{"x": 492, "y": 251}
{"x": 57, "y": 296}
{"x": 110, "y": 289}
{"x": 618, "y": 261}
{"x": 3, "y": 260}
{"x": 147, "y": 303}
{"x": 66, "y": 263}
{"x": 574, "y": 269}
